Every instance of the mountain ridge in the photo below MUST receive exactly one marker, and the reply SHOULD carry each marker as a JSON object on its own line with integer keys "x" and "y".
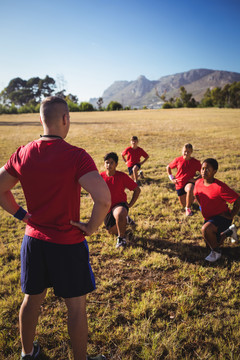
{"x": 142, "y": 91}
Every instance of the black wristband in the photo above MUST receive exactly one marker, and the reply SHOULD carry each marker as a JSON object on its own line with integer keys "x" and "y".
{"x": 20, "y": 214}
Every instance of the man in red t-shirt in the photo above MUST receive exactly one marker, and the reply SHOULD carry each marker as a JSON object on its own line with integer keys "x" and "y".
{"x": 54, "y": 251}
{"x": 133, "y": 155}
{"x": 213, "y": 195}
{"x": 117, "y": 182}
{"x": 187, "y": 167}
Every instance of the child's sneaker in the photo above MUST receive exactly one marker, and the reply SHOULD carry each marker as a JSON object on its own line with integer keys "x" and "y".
{"x": 141, "y": 174}
{"x": 36, "y": 351}
{"x": 213, "y": 256}
{"x": 188, "y": 212}
{"x": 120, "y": 242}
{"x": 130, "y": 221}
{"x": 234, "y": 236}
{"x": 98, "y": 357}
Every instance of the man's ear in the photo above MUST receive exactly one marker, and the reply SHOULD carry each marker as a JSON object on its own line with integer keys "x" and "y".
{"x": 65, "y": 119}
{"x": 41, "y": 120}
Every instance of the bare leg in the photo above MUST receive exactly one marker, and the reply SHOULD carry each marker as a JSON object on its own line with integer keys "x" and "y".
{"x": 135, "y": 173}
{"x": 189, "y": 196}
{"x": 120, "y": 214}
{"x": 209, "y": 232}
{"x": 182, "y": 200}
{"x": 77, "y": 326}
{"x": 28, "y": 318}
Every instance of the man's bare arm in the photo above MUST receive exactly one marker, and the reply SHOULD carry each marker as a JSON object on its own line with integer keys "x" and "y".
{"x": 93, "y": 183}
{"x": 7, "y": 200}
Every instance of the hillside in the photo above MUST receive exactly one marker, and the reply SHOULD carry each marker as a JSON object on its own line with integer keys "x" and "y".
{"x": 142, "y": 91}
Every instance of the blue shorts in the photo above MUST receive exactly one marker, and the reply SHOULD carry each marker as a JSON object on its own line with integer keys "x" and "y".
{"x": 220, "y": 222}
{"x": 130, "y": 169}
{"x": 110, "y": 220}
{"x": 66, "y": 268}
{"x": 182, "y": 191}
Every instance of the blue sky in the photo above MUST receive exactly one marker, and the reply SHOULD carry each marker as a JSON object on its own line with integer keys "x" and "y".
{"x": 90, "y": 44}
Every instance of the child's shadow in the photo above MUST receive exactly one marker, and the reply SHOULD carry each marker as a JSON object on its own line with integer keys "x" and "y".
{"x": 191, "y": 253}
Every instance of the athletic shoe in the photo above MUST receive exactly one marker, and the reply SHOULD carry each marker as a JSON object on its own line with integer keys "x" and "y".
{"x": 130, "y": 221}
{"x": 98, "y": 357}
{"x": 188, "y": 212}
{"x": 234, "y": 236}
{"x": 36, "y": 351}
{"x": 120, "y": 242}
{"x": 213, "y": 256}
{"x": 141, "y": 174}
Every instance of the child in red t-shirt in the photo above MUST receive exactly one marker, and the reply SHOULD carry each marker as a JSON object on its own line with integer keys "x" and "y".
{"x": 187, "y": 167}
{"x": 213, "y": 195}
{"x": 117, "y": 181}
{"x": 133, "y": 155}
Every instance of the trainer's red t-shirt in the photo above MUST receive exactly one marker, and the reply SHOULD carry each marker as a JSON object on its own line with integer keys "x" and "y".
{"x": 213, "y": 198}
{"x": 117, "y": 184}
{"x": 49, "y": 172}
{"x": 186, "y": 169}
{"x": 134, "y": 155}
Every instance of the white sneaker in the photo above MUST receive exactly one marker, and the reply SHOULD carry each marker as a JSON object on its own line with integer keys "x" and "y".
{"x": 120, "y": 242}
{"x": 234, "y": 236}
{"x": 213, "y": 256}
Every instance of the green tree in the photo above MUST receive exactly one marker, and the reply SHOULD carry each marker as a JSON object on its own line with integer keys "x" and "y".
{"x": 114, "y": 105}
{"x": 86, "y": 106}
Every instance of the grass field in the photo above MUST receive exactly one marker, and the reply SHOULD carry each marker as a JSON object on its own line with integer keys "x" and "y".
{"x": 157, "y": 299}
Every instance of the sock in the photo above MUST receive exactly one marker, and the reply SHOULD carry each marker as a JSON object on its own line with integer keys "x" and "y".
{"x": 228, "y": 232}
{"x": 23, "y": 354}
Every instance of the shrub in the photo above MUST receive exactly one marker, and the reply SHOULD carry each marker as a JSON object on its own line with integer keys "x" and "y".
{"x": 114, "y": 105}
{"x": 86, "y": 106}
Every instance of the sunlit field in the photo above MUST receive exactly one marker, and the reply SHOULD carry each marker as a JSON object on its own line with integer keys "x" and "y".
{"x": 158, "y": 298}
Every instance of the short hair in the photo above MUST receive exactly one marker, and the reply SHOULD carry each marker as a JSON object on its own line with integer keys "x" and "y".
{"x": 50, "y": 109}
{"x": 212, "y": 162}
{"x": 134, "y": 138}
{"x": 188, "y": 146}
{"x": 111, "y": 155}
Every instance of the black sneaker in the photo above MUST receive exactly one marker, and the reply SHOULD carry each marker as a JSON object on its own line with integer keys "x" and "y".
{"x": 36, "y": 351}
{"x": 98, "y": 357}
{"x": 120, "y": 242}
{"x": 130, "y": 221}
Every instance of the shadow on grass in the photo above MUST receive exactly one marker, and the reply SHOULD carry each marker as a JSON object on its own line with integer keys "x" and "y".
{"x": 150, "y": 181}
{"x": 20, "y": 123}
{"x": 37, "y": 123}
{"x": 190, "y": 253}
{"x": 43, "y": 356}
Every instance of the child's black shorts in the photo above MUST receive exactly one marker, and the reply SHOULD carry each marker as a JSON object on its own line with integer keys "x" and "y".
{"x": 221, "y": 223}
{"x": 182, "y": 191}
{"x": 66, "y": 268}
{"x": 130, "y": 169}
{"x": 109, "y": 220}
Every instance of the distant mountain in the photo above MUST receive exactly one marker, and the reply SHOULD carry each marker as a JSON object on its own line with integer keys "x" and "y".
{"x": 142, "y": 92}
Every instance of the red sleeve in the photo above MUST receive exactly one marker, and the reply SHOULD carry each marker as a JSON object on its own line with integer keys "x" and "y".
{"x": 228, "y": 194}
{"x": 173, "y": 164}
{"x": 85, "y": 164}
{"x": 12, "y": 164}
{"x": 143, "y": 153}
{"x": 199, "y": 166}
{"x": 129, "y": 183}
{"x": 124, "y": 152}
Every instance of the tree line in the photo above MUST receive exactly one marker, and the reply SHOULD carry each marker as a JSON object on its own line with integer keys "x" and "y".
{"x": 24, "y": 96}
